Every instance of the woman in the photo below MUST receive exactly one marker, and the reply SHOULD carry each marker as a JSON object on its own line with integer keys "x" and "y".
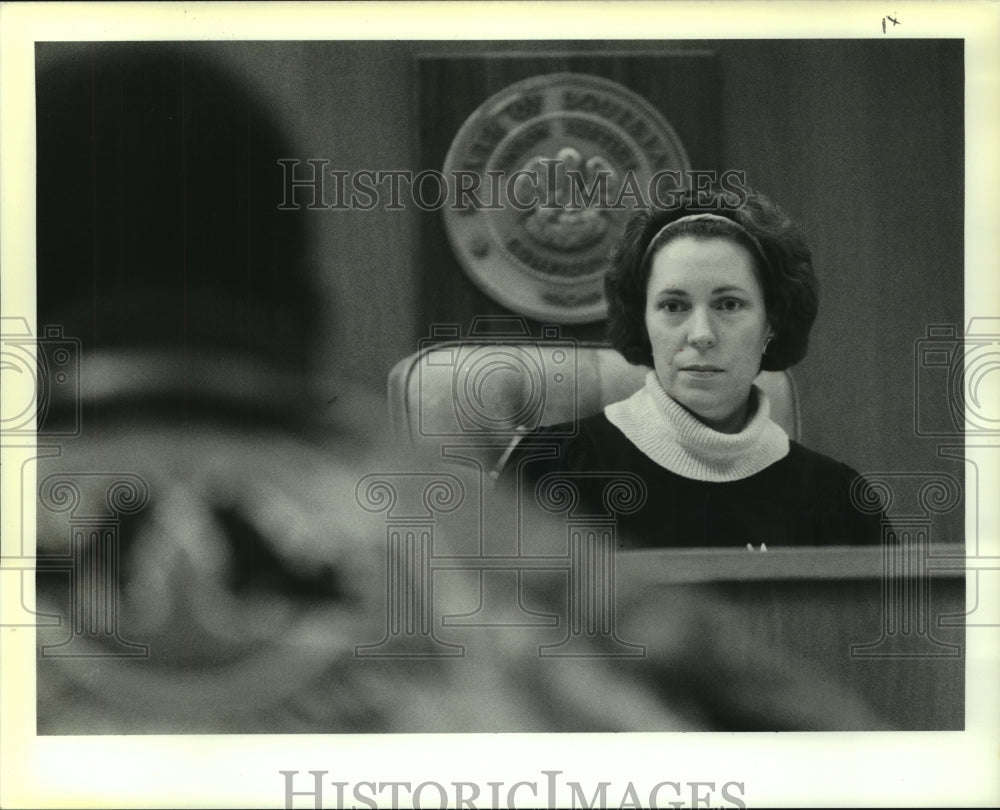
{"x": 706, "y": 300}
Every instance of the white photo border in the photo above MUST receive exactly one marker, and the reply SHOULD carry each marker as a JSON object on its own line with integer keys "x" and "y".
{"x": 874, "y": 769}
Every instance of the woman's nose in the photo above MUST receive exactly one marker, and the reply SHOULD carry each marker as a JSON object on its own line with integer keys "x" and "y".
{"x": 700, "y": 331}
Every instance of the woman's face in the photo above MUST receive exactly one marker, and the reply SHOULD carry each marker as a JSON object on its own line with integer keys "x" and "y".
{"x": 707, "y": 325}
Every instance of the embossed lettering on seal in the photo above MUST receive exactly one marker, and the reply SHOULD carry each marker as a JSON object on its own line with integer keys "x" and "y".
{"x": 560, "y": 162}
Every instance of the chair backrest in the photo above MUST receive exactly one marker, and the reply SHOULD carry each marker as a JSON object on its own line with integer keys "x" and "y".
{"x": 485, "y": 391}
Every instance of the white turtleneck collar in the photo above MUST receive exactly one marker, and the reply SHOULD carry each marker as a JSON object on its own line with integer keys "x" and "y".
{"x": 673, "y": 438}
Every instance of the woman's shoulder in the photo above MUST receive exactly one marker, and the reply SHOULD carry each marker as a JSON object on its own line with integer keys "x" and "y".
{"x": 806, "y": 473}
{"x": 802, "y": 459}
{"x": 590, "y": 442}
{"x": 593, "y": 429}
{"x": 838, "y": 488}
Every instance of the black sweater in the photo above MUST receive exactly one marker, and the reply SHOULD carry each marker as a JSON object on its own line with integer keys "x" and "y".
{"x": 801, "y": 500}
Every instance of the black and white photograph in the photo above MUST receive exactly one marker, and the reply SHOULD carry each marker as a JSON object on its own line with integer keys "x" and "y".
{"x": 578, "y": 407}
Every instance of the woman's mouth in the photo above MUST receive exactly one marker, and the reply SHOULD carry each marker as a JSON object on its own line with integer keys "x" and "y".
{"x": 702, "y": 370}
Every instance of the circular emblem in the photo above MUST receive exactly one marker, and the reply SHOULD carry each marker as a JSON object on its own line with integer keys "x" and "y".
{"x": 546, "y": 173}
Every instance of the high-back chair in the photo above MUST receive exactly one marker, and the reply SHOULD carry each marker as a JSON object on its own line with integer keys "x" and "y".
{"x": 484, "y": 392}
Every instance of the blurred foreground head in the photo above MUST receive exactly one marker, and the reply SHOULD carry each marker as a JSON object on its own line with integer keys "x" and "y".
{"x": 160, "y": 242}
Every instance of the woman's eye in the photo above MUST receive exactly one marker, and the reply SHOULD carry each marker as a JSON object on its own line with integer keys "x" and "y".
{"x": 672, "y": 306}
{"x": 730, "y": 304}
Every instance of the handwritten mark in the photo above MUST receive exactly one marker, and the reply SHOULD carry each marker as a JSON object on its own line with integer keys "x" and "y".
{"x": 891, "y": 19}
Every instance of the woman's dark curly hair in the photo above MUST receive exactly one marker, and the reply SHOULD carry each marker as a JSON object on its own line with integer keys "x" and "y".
{"x": 782, "y": 260}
